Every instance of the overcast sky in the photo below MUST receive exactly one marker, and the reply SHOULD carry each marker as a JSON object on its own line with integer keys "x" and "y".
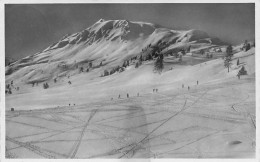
{"x": 31, "y": 28}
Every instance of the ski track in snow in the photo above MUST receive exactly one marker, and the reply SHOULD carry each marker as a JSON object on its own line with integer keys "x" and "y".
{"x": 127, "y": 150}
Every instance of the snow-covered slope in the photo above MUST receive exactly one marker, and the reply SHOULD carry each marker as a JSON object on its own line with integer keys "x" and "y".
{"x": 97, "y": 115}
{"x": 108, "y": 41}
{"x": 89, "y": 87}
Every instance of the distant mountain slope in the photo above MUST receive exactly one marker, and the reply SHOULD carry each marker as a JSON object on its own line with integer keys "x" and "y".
{"x": 108, "y": 41}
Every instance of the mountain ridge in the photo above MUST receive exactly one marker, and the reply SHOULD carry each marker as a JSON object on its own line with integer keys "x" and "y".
{"x": 111, "y": 42}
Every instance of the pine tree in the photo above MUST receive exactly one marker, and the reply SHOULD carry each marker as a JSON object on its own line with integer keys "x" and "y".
{"x": 141, "y": 58}
{"x": 124, "y": 64}
{"x": 149, "y": 57}
{"x": 202, "y": 52}
{"x": 248, "y": 46}
{"x": 229, "y": 51}
{"x": 106, "y": 73}
{"x": 81, "y": 69}
{"x": 180, "y": 59}
{"x": 45, "y": 85}
{"x": 158, "y": 64}
{"x": 90, "y": 65}
{"x": 242, "y": 71}
{"x": 245, "y": 44}
{"x": 137, "y": 65}
{"x": 237, "y": 62}
{"x": 112, "y": 71}
{"x": 188, "y": 49}
{"x": 227, "y": 62}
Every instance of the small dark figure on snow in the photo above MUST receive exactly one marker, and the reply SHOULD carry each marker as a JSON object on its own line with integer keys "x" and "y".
{"x": 138, "y": 94}
{"x": 182, "y": 85}
{"x": 69, "y": 104}
{"x": 118, "y": 96}
{"x": 156, "y": 90}
{"x": 197, "y": 82}
{"x": 127, "y": 95}
{"x": 188, "y": 87}
{"x": 69, "y": 82}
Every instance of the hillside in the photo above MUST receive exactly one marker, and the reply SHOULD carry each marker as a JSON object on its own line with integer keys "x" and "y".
{"x": 86, "y": 119}
{"x": 95, "y": 94}
{"x": 108, "y": 41}
{"x": 89, "y": 86}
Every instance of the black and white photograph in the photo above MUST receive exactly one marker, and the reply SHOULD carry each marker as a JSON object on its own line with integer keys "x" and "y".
{"x": 129, "y": 80}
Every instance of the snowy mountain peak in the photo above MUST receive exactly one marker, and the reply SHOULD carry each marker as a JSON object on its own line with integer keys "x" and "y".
{"x": 109, "y": 30}
{"x": 100, "y": 20}
{"x": 110, "y": 42}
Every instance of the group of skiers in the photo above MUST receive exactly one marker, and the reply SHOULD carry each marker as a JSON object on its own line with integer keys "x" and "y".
{"x": 127, "y": 96}
{"x": 155, "y": 90}
{"x": 189, "y": 86}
